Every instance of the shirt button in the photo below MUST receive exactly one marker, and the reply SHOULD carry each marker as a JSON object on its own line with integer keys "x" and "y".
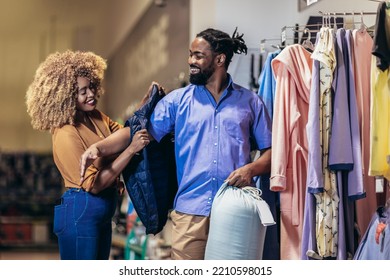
{"x": 215, "y": 161}
{"x": 215, "y": 144}
{"x": 214, "y": 179}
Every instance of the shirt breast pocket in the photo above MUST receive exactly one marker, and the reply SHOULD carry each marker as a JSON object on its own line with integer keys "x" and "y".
{"x": 237, "y": 126}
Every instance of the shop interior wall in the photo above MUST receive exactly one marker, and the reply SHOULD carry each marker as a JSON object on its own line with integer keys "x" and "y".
{"x": 30, "y": 30}
{"x": 156, "y": 50}
{"x": 102, "y": 26}
{"x": 259, "y": 20}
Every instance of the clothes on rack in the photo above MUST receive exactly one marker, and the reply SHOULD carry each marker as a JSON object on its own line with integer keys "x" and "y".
{"x": 322, "y": 106}
{"x": 266, "y": 91}
{"x": 327, "y": 198}
{"x": 380, "y": 98}
{"x": 292, "y": 70}
{"x": 344, "y": 161}
{"x": 267, "y": 83}
{"x": 362, "y": 46}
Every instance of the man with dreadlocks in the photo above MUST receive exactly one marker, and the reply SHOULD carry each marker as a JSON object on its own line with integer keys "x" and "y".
{"x": 62, "y": 99}
{"x": 216, "y": 123}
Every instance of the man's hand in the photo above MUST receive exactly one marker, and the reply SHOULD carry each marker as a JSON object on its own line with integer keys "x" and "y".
{"x": 145, "y": 98}
{"x": 240, "y": 177}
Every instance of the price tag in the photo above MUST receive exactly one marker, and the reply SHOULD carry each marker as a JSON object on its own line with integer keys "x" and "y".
{"x": 265, "y": 213}
{"x": 379, "y": 184}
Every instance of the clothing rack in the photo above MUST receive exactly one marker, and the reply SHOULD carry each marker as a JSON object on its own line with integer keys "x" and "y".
{"x": 346, "y": 13}
{"x": 298, "y": 28}
{"x": 328, "y": 15}
{"x": 306, "y": 28}
{"x": 276, "y": 46}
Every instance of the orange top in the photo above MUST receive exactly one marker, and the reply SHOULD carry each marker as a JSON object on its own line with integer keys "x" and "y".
{"x": 70, "y": 142}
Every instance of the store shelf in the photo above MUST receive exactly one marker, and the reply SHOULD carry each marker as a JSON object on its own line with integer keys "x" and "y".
{"x": 30, "y": 186}
{"x": 23, "y": 230}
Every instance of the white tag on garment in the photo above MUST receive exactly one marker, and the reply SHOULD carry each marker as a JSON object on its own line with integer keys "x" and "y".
{"x": 379, "y": 184}
{"x": 265, "y": 213}
{"x": 283, "y": 35}
{"x": 262, "y": 46}
{"x": 309, "y": 2}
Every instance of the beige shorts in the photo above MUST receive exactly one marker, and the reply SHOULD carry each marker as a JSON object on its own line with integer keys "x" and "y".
{"x": 189, "y": 236}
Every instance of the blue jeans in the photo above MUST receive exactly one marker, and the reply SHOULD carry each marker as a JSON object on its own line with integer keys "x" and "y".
{"x": 82, "y": 223}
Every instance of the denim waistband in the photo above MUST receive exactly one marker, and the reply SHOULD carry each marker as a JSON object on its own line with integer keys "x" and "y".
{"x": 74, "y": 189}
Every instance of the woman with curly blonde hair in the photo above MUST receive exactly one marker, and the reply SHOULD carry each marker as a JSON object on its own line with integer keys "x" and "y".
{"x": 62, "y": 99}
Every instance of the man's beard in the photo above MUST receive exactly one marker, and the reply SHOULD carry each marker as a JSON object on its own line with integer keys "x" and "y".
{"x": 202, "y": 77}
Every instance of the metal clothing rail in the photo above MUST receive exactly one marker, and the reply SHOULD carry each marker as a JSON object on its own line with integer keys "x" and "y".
{"x": 297, "y": 29}
{"x": 346, "y": 13}
{"x": 306, "y": 30}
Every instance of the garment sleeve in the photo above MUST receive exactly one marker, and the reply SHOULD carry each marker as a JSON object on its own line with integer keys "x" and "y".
{"x": 162, "y": 120}
{"x": 280, "y": 130}
{"x": 314, "y": 167}
{"x": 340, "y": 145}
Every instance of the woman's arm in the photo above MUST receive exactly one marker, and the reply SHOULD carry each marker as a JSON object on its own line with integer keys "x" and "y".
{"x": 108, "y": 174}
{"x": 111, "y": 145}
{"x": 118, "y": 142}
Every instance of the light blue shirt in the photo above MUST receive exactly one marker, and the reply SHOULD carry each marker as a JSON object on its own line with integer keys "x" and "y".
{"x": 211, "y": 140}
{"x": 267, "y": 84}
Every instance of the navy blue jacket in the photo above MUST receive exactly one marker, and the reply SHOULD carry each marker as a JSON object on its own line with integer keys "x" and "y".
{"x": 150, "y": 177}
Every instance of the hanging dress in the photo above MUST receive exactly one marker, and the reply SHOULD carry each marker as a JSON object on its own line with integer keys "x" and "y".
{"x": 327, "y": 199}
{"x": 320, "y": 219}
{"x": 362, "y": 45}
{"x": 292, "y": 70}
{"x": 345, "y": 151}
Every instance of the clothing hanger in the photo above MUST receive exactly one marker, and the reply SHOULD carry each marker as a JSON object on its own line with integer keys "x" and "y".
{"x": 275, "y": 46}
{"x": 334, "y": 22}
{"x": 363, "y": 27}
{"x": 307, "y": 44}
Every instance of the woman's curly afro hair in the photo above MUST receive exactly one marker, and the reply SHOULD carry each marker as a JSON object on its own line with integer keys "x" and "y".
{"x": 51, "y": 97}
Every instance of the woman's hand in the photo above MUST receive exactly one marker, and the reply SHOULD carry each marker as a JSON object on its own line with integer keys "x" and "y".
{"x": 139, "y": 141}
{"x": 87, "y": 158}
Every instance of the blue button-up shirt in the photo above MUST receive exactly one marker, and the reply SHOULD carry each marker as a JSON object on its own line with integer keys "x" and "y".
{"x": 211, "y": 139}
